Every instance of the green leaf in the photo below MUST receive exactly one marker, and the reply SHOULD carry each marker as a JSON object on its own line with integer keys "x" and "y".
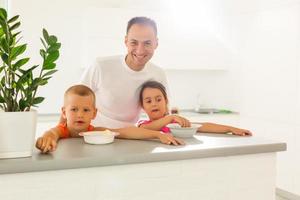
{"x": 47, "y": 78}
{"x": 50, "y": 59}
{"x": 1, "y": 31}
{"x": 43, "y": 53}
{"x": 3, "y": 25}
{"x": 16, "y": 34}
{"x": 20, "y": 63}
{"x": 18, "y": 50}
{"x": 15, "y": 26}
{"x": 36, "y": 82}
{"x": 44, "y": 82}
{"x": 22, "y": 71}
{"x": 22, "y": 104}
{"x": 27, "y": 75}
{"x": 3, "y": 14}
{"x": 4, "y": 45}
{"x": 52, "y": 40}
{"x": 1, "y": 69}
{"x": 44, "y": 43}
{"x": 54, "y": 47}
{"x": 5, "y": 58}
{"x": 49, "y": 66}
{"x": 13, "y": 19}
{"x": 3, "y": 81}
{"x": 2, "y": 99}
{"x": 46, "y": 35}
{"x": 38, "y": 100}
{"x": 48, "y": 73}
{"x": 14, "y": 85}
{"x": 53, "y": 56}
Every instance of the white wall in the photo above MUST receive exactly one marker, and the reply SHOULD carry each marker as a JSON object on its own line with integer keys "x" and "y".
{"x": 3, "y": 4}
{"x": 268, "y": 41}
{"x": 206, "y": 88}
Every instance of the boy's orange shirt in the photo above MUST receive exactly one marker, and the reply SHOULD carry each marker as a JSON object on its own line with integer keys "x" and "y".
{"x": 64, "y": 132}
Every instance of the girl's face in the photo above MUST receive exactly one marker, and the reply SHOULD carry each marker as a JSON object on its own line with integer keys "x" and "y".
{"x": 79, "y": 111}
{"x": 154, "y": 103}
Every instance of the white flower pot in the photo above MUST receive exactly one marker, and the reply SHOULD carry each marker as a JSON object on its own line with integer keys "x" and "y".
{"x": 17, "y": 133}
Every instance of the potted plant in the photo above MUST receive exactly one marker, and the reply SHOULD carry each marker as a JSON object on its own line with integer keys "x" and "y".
{"x": 19, "y": 85}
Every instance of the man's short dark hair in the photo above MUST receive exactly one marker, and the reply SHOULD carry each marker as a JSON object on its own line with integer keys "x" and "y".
{"x": 143, "y": 21}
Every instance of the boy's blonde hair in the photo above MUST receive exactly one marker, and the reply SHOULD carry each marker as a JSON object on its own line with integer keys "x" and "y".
{"x": 80, "y": 90}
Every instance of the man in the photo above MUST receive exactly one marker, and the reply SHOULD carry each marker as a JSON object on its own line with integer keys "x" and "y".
{"x": 116, "y": 80}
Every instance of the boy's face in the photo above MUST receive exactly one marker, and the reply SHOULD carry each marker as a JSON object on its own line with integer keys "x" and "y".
{"x": 79, "y": 111}
{"x": 154, "y": 103}
{"x": 141, "y": 42}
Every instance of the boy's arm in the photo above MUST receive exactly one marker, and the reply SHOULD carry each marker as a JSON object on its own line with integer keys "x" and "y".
{"x": 160, "y": 123}
{"x": 48, "y": 141}
{"x": 218, "y": 128}
{"x": 141, "y": 133}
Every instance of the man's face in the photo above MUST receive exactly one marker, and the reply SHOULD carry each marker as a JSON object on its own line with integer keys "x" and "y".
{"x": 141, "y": 43}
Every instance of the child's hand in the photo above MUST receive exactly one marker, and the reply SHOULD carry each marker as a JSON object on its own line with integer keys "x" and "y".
{"x": 46, "y": 144}
{"x": 169, "y": 139}
{"x": 183, "y": 122}
{"x": 240, "y": 132}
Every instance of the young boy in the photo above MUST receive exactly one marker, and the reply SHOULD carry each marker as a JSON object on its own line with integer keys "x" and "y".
{"x": 78, "y": 111}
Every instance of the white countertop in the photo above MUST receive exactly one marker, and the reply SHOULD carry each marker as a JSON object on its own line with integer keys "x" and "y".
{"x": 74, "y": 153}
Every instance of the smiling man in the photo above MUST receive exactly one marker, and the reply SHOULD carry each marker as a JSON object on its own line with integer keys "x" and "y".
{"x": 116, "y": 80}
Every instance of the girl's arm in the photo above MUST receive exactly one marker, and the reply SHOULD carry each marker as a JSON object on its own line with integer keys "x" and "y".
{"x": 141, "y": 133}
{"x": 48, "y": 142}
{"x": 218, "y": 128}
{"x": 162, "y": 122}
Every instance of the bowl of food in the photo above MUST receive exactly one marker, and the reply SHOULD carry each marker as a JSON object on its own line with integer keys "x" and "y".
{"x": 99, "y": 137}
{"x": 183, "y": 132}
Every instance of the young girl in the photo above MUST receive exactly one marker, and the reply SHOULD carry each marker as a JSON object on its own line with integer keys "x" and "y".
{"x": 154, "y": 100}
{"x": 79, "y": 110}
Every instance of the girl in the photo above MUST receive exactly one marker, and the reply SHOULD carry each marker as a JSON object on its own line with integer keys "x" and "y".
{"x": 154, "y": 101}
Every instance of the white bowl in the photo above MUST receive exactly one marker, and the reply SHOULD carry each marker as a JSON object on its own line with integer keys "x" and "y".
{"x": 183, "y": 132}
{"x": 98, "y": 137}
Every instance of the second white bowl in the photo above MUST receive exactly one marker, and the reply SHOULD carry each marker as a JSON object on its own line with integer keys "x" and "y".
{"x": 183, "y": 132}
